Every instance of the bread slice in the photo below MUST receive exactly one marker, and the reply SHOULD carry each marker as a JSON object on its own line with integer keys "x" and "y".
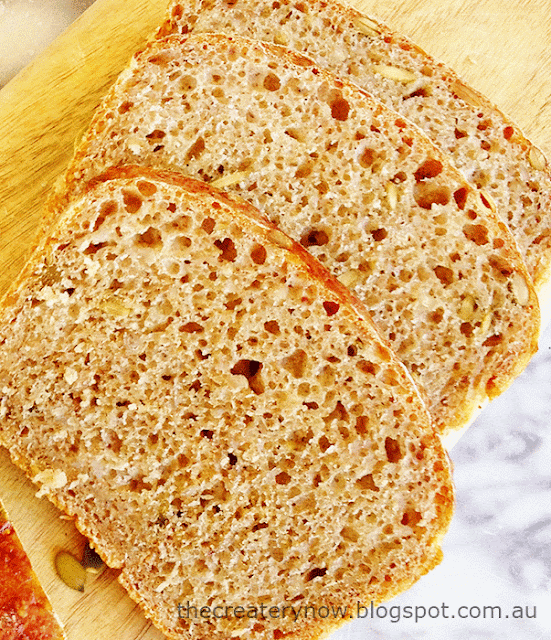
{"x": 361, "y": 188}
{"x": 218, "y": 413}
{"x": 25, "y": 611}
{"x": 490, "y": 150}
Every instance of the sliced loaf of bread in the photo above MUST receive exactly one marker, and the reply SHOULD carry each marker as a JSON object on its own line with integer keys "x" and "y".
{"x": 365, "y": 191}
{"x": 218, "y": 414}
{"x": 490, "y": 150}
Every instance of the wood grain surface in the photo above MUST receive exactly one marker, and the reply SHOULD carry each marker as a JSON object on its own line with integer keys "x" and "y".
{"x": 501, "y": 48}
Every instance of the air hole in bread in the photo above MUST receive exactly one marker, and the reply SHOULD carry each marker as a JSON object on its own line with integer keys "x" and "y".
{"x": 367, "y": 157}
{"x": 311, "y": 405}
{"x": 322, "y": 187}
{"x": 305, "y": 169}
{"x": 392, "y": 449}
{"x": 296, "y": 134}
{"x": 466, "y": 329}
{"x": 339, "y": 108}
{"x": 132, "y": 200}
{"x": 423, "y": 92}
{"x": 486, "y": 202}
{"x": 296, "y": 363}
{"x": 181, "y": 223}
{"x": 156, "y": 135}
{"x": 125, "y": 107}
{"x": 331, "y": 307}
{"x": 362, "y": 425}
{"x": 368, "y": 367}
{"x": 107, "y": 209}
{"x": 426, "y": 194}
{"x": 161, "y": 59}
{"x": 272, "y": 326}
{"x": 444, "y": 274}
{"x": 146, "y": 188}
{"x": 476, "y": 233}
{"x": 251, "y": 370}
{"x": 344, "y": 431}
{"x": 429, "y": 169}
{"x": 314, "y": 238}
{"x": 411, "y": 517}
{"x": 187, "y": 83}
{"x": 180, "y": 243}
{"x": 227, "y": 249}
{"x": 379, "y": 234}
{"x": 271, "y": 82}
{"x": 315, "y": 573}
{"x": 436, "y": 316}
{"x": 258, "y": 254}
{"x": 93, "y": 248}
{"x": 493, "y": 341}
{"x": 460, "y": 134}
{"x": 460, "y": 197}
{"x": 195, "y": 150}
{"x": 501, "y": 266}
{"x": 350, "y": 534}
{"x": 232, "y": 301}
{"x": 99, "y": 221}
{"x": 366, "y": 483}
{"x": 324, "y": 444}
{"x": 283, "y": 478}
{"x": 151, "y": 237}
{"x": 338, "y": 413}
{"x": 191, "y": 327}
{"x": 390, "y": 377}
{"x": 508, "y": 133}
{"x": 208, "y": 225}
{"x": 481, "y": 178}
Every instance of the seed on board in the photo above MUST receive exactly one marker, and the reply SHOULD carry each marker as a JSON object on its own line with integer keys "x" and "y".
{"x": 70, "y": 571}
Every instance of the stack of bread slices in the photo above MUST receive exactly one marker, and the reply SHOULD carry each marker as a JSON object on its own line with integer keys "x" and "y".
{"x": 291, "y": 256}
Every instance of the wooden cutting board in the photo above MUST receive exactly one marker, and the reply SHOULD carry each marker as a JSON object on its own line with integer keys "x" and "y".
{"x": 501, "y": 48}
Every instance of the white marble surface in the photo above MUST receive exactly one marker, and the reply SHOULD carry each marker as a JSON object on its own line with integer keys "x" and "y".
{"x": 498, "y": 550}
{"x": 28, "y": 26}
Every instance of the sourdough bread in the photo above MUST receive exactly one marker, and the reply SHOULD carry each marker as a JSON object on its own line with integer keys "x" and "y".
{"x": 25, "y": 611}
{"x": 490, "y": 150}
{"x": 365, "y": 191}
{"x": 218, "y": 414}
